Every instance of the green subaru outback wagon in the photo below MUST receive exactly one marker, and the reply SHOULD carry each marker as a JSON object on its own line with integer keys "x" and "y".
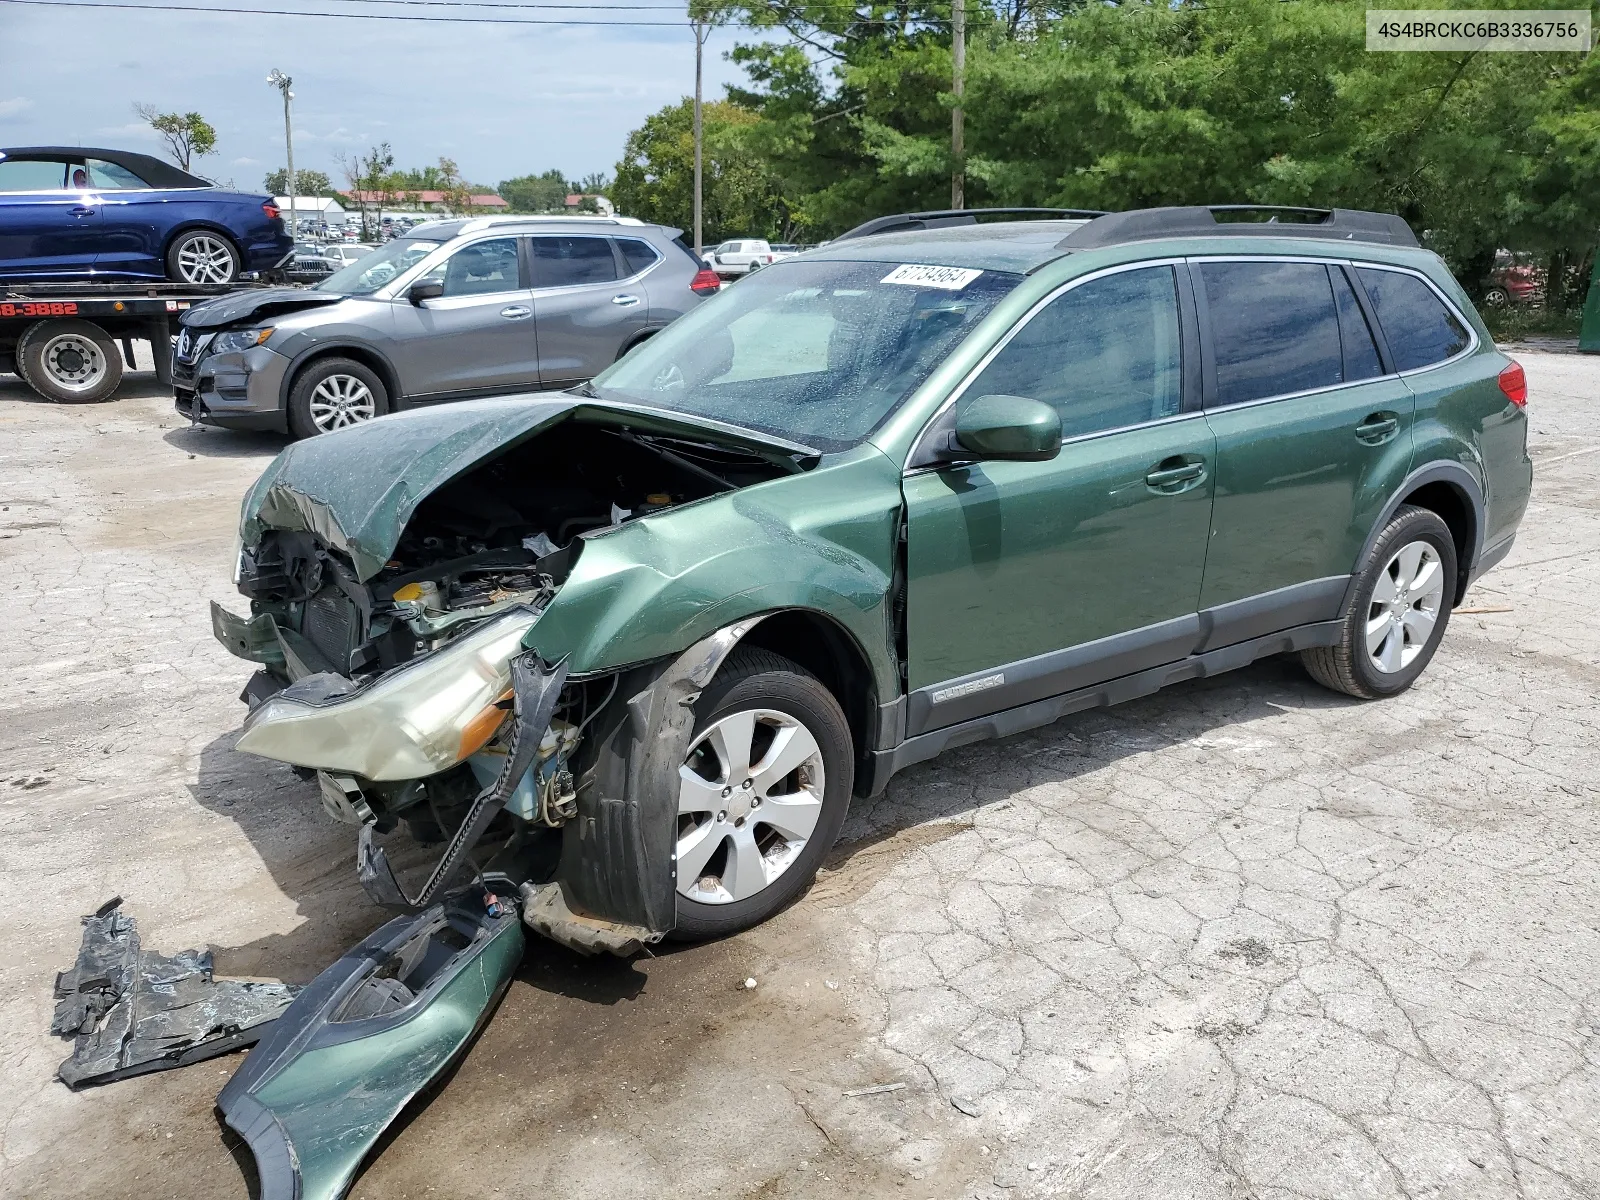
{"x": 627, "y": 651}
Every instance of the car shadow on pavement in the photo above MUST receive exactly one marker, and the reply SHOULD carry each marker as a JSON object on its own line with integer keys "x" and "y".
{"x": 311, "y": 857}
{"x": 208, "y": 441}
{"x": 135, "y": 386}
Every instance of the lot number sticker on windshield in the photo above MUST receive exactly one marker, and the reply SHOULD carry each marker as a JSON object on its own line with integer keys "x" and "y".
{"x": 951, "y": 279}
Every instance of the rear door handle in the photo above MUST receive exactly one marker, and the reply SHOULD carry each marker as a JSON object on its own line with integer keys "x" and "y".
{"x": 1377, "y": 428}
{"x": 81, "y": 211}
{"x": 625, "y": 301}
{"x": 515, "y": 312}
{"x": 1165, "y": 478}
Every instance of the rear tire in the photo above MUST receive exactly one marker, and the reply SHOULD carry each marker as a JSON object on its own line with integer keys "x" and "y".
{"x": 335, "y": 393}
{"x": 1398, "y": 613}
{"x": 69, "y": 361}
{"x": 792, "y": 716}
{"x": 202, "y": 256}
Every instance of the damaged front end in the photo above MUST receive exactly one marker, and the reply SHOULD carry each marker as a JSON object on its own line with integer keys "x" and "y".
{"x": 389, "y": 615}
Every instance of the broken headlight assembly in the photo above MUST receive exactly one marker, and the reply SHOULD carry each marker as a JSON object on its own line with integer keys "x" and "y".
{"x": 414, "y": 721}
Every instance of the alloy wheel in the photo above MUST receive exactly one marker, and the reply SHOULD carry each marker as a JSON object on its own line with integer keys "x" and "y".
{"x": 74, "y": 363}
{"x": 341, "y": 400}
{"x": 1405, "y": 606}
{"x": 749, "y": 796}
{"x": 205, "y": 259}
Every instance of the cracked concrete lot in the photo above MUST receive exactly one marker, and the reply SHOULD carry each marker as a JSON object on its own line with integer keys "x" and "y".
{"x": 1245, "y": 938}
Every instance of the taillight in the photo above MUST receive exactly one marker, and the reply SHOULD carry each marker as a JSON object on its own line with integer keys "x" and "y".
{"x": 1514, "y": 384}
{"x": 705, "y": 282}
{"x": 271, "y": 210}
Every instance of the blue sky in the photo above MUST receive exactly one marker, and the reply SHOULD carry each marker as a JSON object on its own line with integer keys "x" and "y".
{"x": 500, "y": 101}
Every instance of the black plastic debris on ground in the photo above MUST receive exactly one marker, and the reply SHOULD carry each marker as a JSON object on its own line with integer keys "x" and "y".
{"x": 134, "y": 1011}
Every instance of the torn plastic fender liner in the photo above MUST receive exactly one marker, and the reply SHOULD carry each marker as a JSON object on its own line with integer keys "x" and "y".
{"x": 618, "y": 858}
{"x": 364, "y": 1038}
{"x": 535, "y": 687}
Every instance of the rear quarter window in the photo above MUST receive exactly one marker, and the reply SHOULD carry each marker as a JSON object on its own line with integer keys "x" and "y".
{"x": 1419, "y": 328}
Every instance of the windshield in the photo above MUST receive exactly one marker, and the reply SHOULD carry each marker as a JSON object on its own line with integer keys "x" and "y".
{"x": 815, "y": 352}
{"x": 378, "y": 268}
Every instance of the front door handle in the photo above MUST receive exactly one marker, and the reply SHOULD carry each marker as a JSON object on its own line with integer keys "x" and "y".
{"x": 625, "y": 300}
{"x": 515, "y": 312}
{"x": 1377, "y": 428}
{"x": 81, "y": 211}
{"x": 1171, "y": 475}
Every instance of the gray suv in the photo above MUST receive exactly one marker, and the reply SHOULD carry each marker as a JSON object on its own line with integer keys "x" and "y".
{"x": 450, "y": 310}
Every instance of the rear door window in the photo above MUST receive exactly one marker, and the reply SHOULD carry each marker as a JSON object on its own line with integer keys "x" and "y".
{"x": 566, "y": 261}
{"x": 1419, "y": 328}
{"x": 1274, "y": 329}
{"x": 1360, "y": 350}
{"x": 109, "y": 176}
{"x": 1104, "y": 355}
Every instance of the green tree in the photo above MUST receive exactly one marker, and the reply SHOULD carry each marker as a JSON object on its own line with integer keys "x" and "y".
{"x": 1132, "y": 103}
{"x": 307, "y": 183}
{"x": 371, "y": 184}
{"x": 545, "y": 192}
{"x": 188, "y": 135}
{"x": 741, "y": 196}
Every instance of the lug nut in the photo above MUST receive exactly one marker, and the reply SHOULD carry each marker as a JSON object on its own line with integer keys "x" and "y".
{"x": 755, "y": 802}
{"x": 726, "y": 792}
{"x": 722, "y": 816}
{"x": 747, "y": 783}
{"x": 739, "y": 824}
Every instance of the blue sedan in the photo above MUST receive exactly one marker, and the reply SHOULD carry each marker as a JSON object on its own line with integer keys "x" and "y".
{"x": 71, "y": 212}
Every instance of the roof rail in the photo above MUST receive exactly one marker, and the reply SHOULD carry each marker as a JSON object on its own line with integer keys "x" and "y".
{"x": 941, "y": 218}
{"x": 1329, "y": 224}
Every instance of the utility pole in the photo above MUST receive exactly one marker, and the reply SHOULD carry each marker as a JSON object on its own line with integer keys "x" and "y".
{"x": 958, "y": 62}
{"x": 701, "y": 32}
{"x": 282, "y": 82}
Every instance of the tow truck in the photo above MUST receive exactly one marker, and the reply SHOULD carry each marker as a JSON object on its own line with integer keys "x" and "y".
{"x": 71, "y": 341}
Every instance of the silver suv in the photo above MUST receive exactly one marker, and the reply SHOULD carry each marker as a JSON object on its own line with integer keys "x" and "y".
{"x": 450, "y": 310}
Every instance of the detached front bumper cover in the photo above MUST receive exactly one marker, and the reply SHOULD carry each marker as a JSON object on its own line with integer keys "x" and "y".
{"x": 366, "y": 1036}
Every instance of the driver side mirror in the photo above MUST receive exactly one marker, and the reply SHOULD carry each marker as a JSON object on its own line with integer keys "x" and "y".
{"x": 1012, "y": 428}
{"x": 425, "y": 289}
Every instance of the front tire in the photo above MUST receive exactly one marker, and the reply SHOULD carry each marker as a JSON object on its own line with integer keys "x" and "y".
{"x": 68, "y": 361}
{"x": 202, "y": 256}
{"x": 763, "y": 791}
{"x": 334, "y": 393}
{"x": 1398, "y": 614}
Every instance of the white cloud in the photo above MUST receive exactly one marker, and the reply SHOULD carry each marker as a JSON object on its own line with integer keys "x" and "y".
{"x": 133, "y": 129}
{"x": 15, "y": 105}
{"x": 247, "y": 162}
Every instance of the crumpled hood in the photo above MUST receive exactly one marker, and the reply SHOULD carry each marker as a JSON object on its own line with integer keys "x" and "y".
{"x": 255, "y": 302}
{"x": 356, "y": 488}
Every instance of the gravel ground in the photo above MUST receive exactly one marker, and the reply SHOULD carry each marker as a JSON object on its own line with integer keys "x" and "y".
{"x": 1243, "y": 938}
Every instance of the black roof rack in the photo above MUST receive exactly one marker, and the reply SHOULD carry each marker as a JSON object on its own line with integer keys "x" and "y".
{"x": 941, "y": 218}
{"x": 1335, "y": 224}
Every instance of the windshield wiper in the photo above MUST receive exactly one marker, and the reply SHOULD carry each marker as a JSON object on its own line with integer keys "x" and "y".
{"x": 586, "y": 390}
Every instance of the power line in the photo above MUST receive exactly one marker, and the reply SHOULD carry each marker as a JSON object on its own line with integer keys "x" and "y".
{"x": 348, "y": 16}
{"x": 382, "y": 16}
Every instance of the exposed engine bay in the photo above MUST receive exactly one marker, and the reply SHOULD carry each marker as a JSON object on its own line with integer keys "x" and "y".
{"x": 399, "y": 690}
{"x": 502, "y": 535}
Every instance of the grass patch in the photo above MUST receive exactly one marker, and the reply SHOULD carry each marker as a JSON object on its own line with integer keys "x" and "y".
{"x": 1510, "y": 324}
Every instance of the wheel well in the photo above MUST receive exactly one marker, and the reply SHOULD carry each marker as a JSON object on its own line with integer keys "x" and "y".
{"x": 1455, "y": 510}
{"x": 819, "y": 645}
{"x": 360, "y": 354}
{"x": 209, "y": 227}
{"x": 642, "y": 337}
